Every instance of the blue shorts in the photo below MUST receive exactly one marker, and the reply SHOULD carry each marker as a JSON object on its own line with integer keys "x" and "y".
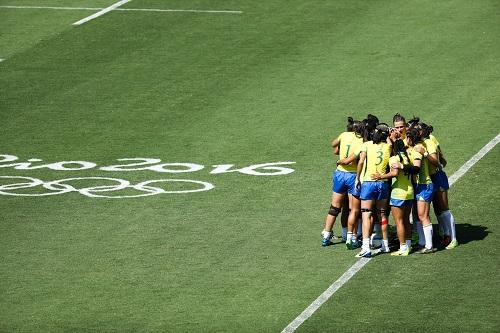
{"x": 376, "y": 190}
{"x": 401, "y": 203}
{"x": 440, "y": 181}
{"x": 424, "y": 192}
{"x": 344, "y": 182}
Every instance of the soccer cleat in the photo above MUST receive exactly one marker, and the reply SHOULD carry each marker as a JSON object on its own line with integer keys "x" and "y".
{"x": 453, "y": 244}
{"x": 364, "y": 254}
{"x": 356, "y": 245}
{"x": 401, "y": 253}
{"x": 327, "y": 238}
{"x": 326, "y": 242}
{"x": 426, "y": 250}
{"x": 350, "y": 245}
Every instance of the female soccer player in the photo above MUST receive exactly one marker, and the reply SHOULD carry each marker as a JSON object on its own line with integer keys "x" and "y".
{"x": 440, "y": 182}
{"x": 423, "y": 190}
{"x": 402, "y": 194}
{"x": 374, "y": 158}
{"x": 343, "y": 177}
{"x": 399, "y": 123}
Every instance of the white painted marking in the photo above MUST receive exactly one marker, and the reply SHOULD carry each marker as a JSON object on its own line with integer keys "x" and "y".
{"x": 48, "y": 7}
{"x": 325, "y": 295}
{"x": 130, "y": 9}
{"x": 2, "y": 60}
{"x": 473, "y": 160}
{"x": 182, "y": 10}
{"x": 308, "y": 312}
{"x": 101, "y": 12}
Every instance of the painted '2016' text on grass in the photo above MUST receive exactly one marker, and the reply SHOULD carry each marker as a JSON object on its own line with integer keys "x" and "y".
{"x": 106, "y": 184}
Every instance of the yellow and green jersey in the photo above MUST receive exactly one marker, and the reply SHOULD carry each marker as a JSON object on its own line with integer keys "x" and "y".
{"x": 431, "y": 144}
{"x": 377, "y": 159}
{"x": 402, "y": 186}
{"x": 423, "y": 177}
{"x": 349, "y": 144}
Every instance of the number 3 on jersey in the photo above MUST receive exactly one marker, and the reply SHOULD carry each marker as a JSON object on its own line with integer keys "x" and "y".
{"x": 380, "y": 157}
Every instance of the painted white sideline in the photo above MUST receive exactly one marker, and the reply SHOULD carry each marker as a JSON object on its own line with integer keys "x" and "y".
{"x": 129, "y": 9}
{"x": 325, "y": 295}
{"x": 50, "y": 7}
{"x": 308, "y": 312}
{"x": 182, "y": 10}
{"x": 101, "y": 12}
{"x": 473, "y": 160}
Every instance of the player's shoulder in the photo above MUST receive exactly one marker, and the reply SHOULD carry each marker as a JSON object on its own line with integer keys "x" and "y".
{"x": 434, "y": 139}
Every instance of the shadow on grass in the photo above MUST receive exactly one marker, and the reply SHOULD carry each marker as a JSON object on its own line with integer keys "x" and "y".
{"x": 468, "y": 233}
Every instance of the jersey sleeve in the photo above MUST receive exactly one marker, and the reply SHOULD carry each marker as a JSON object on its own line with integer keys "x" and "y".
{"x": 415, "y": 155}
{"x": 430, "y": 146}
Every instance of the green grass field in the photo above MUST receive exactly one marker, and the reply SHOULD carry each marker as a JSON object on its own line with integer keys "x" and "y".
{"x": 197, "y": 90}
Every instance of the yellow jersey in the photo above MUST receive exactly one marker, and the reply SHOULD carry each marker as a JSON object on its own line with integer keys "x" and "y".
{"x": 349, "y": 145}
{"x": 432, "y": 146}
{"x": 377, "y": 159}
{"x": 423, "y": 176}
{"x": 402, "y": 186}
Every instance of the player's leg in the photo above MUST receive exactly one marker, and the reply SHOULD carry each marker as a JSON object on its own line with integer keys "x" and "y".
{"x": 344, "y": 218}
{"x": 338, "y": 193}
{"x": 399, "y": 211}
{"x": 354, "y": 213}
{"x": 384, "y": 224}
{"x": 367, "y": 197}
{"x": 423, "y": 208}
{"x": 366, "y": 216}
{"x": 406, "y": 221}
{"x": 333, "y": 212}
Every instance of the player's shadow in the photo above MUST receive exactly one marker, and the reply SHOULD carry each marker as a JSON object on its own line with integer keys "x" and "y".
{"x": 468, "y": 233}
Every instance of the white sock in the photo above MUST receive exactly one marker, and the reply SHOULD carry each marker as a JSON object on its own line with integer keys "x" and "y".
{"x": 385, "y": 244}
{"x": 449, "y": 221}
{"x": 326, "y": 234}
{"x": 428, "y": 235}
{"x": 366, "y": 244}
{"x": 354, "y": 238}
{"x": 348, "y": 238}
{"x": 403, "y": 247}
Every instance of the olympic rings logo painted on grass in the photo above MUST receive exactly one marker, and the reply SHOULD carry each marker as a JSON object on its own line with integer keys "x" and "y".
{"x": 147, "y": 188}
{"x": 60, "y": 187}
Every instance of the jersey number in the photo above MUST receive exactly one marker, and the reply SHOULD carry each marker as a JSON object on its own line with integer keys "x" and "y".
{"x": 347, "y": 152}
{"x": 380, "y": 158}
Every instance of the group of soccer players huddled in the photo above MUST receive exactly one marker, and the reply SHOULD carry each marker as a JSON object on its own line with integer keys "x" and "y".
{"x": 381, "y": 170}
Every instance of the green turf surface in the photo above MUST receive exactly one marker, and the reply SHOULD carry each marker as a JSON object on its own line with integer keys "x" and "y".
{"x": 275, "y": 83}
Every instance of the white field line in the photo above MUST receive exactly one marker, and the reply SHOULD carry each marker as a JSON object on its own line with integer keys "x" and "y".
{"x": 326, "y": 295}
{"x": 182, "y": 10}
{"x": 2, "y": 60}
{"x": 308, "y": 312}
{"x": 48, "y": 7}
{"x": 473, "y": 160}
{"x": 101, "y": 12}
{"x": 130, "y": 9}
